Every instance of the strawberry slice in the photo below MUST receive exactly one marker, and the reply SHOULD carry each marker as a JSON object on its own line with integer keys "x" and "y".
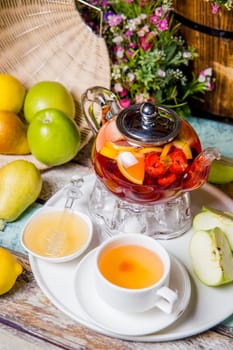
{"x": 167, "y": 179}
{"x": 179, "y": 161}
{"x": 154, "y": 165}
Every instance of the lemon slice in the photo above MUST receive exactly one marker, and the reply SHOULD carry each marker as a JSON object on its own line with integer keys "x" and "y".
{"x": 109, "y": 151}
{"x": 151, "y": 149}
{"x": 122, "y": 146}
{"x": 112, "y": 150}
{"x": 184, "y": 146}
{"x": 135, "y": 172}
{"x": 165, "y": 150}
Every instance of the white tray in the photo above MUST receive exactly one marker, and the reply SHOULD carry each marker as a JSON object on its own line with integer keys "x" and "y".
{"x": 208, "y": 306}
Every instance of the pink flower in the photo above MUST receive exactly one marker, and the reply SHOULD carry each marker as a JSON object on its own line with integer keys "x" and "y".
{"x": 154, "y": 19}
{"x": 130, "y": 53}
{"x": 119, "y": 50}
{"x": 146, "y": 42}
{"x": 162, "y": 25}
{"x": 142, "y": 31}
{"x": 159, "y": 11}
{"x": 118, "y": 87}
{"x": 205, "y": 77}
{"x": 142, "y": 3}
{"x": 129, "y": 1}
{"x": 161, "y": 73}
{"x": 128, "y": 34}
{"x": 123, "y": 93}
{"x": 208, "y": 72}
{"x": 114, "y": 20}
{"x": 214, "y": 8}
{"x": 132, "y": 45}
{"x": 125, "y": 102}
{"x": 131, "y": 77}
{"x": 210, "y": 86}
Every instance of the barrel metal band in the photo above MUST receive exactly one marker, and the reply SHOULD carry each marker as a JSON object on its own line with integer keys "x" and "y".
{"x": 204, "y": 29}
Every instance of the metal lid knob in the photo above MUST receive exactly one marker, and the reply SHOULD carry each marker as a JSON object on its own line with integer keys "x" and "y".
{"x": 148, "y": 124}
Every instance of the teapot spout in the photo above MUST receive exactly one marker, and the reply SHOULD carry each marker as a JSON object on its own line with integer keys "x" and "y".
{"x": 99, "y": 105}
{"x": 198, "y": 173}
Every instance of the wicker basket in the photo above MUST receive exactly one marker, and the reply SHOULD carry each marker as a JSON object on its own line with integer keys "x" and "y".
{"x": 48, "y": 40}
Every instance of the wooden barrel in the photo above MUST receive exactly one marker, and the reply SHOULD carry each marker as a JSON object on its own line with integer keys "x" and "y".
{"x": 212, "y": 36}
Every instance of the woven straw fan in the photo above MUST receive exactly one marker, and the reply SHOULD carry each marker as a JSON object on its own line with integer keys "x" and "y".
{"x": 48, "y": 40}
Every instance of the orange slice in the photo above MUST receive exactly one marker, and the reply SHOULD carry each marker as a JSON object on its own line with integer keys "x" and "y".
{"x": 134, "y": 173}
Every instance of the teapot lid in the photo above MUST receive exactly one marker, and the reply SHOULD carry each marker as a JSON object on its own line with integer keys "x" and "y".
{"x": 148, "y": 124}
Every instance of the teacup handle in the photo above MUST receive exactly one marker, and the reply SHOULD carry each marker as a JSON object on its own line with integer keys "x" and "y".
{"x": 167, "y": 300}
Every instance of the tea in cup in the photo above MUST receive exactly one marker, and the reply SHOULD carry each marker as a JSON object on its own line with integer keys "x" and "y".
{"x": 132, "y": 273}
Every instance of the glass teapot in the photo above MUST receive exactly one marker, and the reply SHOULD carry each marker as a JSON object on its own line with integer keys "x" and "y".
{"x": 145, "y": 155}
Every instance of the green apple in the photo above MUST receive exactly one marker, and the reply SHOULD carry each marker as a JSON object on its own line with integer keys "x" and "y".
{"x": 211, "y": 257}
{"x": 209, "y": 218}
{"x": 48, "y": 94}
{"x": 53, "y": 137}
{"x": 221, "y": 171}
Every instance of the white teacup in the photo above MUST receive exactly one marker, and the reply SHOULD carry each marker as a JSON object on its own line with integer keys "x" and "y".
{"x": 132, "y": 273}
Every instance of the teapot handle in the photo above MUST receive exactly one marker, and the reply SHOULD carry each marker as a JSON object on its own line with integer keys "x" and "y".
{"x": 99, "y": 104}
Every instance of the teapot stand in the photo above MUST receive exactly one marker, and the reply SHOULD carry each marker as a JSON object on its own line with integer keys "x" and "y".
{"x": 164, "y": 220}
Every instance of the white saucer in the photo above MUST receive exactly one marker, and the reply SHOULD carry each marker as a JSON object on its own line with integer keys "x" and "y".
{"x": 132, "y": 324}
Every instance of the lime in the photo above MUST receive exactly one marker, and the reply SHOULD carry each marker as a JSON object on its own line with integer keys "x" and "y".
{"x": 221, "y": 171}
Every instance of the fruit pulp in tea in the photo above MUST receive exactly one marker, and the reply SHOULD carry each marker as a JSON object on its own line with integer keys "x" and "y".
{"x": 56, "y": 234}
{"x": 131, "y": 266}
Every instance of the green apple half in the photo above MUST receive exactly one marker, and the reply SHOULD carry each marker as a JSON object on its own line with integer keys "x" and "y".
{"x": 211, "y": 257}
{"x": 209, "y": 218}
{"x": 53, "y": 137}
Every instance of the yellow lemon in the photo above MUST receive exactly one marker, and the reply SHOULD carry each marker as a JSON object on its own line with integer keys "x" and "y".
{"x": 10, "y": 269}
{"x": 12, "y": 93}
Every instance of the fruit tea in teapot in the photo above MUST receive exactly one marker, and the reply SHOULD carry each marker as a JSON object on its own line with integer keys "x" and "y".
{"x": 145, "y": 155}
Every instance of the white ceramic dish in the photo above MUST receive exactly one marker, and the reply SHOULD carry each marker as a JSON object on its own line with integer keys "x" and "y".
{"x": 59, "y": 259}
{"x": 208, "y": 305}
